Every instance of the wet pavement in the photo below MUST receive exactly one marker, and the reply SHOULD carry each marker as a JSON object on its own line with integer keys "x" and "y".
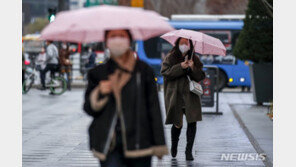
{"x": 55, "y": 133}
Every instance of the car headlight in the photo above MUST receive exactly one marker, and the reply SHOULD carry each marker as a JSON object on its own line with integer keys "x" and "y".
{"x": 230, "y": 79}
{"x": 247, "y": 63}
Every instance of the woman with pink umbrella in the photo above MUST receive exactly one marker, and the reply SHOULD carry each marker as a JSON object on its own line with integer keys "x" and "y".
{"x": 179, "y": 67}
{"x": 122, "y": 97}
{"x": 121, "y": 94}
{"x": 178, "y": 99}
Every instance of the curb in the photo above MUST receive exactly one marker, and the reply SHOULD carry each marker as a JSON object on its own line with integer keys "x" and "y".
{"x": 251, "y": 138}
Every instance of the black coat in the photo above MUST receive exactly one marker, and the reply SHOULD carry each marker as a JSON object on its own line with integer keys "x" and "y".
{"x": 139, "y": 117}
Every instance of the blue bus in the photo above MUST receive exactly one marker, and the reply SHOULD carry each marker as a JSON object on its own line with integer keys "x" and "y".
{"x": 233, "y": 72}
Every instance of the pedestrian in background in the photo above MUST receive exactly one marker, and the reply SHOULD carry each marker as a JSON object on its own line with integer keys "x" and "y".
{"x": 178, "y": 98}
{"x": 41, "y": 61}
{"x": 23, "y": 65}
{"x": 52, "y": 62}
{"x": 65, "y": 63}
{"x": 91, "y": 59}
{"x": 122, "y": 98}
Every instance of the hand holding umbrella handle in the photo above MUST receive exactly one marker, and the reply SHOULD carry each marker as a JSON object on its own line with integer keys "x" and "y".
{"x": 184, "y": 64}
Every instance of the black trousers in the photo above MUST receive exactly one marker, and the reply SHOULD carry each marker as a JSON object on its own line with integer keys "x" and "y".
{"x": 49, "y": 67}
{"x": 116, "y": 157}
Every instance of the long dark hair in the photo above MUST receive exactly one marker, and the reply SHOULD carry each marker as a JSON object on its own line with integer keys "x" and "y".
{"x": 177, "y": 55}
{"x": 176, "y": 51}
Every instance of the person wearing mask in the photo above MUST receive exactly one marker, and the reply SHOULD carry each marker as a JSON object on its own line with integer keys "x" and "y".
{"x": 178, "y": 98}
{"x": 52, "y": 62}
{"x": 65, "y": 63}
{"x": 122, "y": 98}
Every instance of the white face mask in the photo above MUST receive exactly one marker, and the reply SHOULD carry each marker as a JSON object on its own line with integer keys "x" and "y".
{"x": 183, "y": 48}
{"x": 118, "y": 45}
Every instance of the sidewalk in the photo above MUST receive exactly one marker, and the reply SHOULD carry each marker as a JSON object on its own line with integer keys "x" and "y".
{"x": 55, "y": 133}
{"x": 216, "y": 135}
{"x": 258, "y": 127}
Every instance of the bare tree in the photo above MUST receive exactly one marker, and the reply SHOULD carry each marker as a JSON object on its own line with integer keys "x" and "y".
{"x": 226, "y": 6}
{"x": 169, "y": 7}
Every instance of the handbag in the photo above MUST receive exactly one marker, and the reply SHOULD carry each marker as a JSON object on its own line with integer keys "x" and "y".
{"x": 195, "y": 87}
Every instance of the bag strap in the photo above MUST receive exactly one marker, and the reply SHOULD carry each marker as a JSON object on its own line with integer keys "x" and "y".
{"x": 188, "y": 78}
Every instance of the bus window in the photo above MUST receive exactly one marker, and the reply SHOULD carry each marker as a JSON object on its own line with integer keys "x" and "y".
{"x": 157, "y": 47}
{"x": 165, "y": 48}
{"x": 224, "y": 36}
{"x": 151, "y": 47}
{"x": 215, "y": 59}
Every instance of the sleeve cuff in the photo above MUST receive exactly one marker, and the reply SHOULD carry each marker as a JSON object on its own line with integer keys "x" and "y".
{"x": 160, "y": 151}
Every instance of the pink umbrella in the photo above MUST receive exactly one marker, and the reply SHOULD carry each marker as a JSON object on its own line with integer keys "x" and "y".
{"x": 203, "y": 44}
{"x": 89, "y": 24}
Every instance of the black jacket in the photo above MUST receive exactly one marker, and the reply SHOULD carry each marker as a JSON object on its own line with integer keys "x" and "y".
{"x": 140, "y": 115}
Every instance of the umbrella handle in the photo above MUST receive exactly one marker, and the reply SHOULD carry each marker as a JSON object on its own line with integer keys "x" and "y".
{"x": 193, "y": 50}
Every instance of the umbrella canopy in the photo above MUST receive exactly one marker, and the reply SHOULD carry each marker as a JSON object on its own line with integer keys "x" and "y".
{"x": 89, "y": 24}
{"x": 203, "y": 44}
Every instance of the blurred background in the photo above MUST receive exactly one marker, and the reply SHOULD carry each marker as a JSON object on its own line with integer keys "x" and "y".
{"x": 222, "y": 19}
{"x": 238, "y": 96}
{"x": 35, "y": 9}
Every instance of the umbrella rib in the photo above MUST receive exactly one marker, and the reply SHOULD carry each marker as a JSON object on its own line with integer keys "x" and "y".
{"x": 203, "y": 44}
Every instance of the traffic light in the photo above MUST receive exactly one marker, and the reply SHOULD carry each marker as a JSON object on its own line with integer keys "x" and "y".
{"x": 51, "y": 14}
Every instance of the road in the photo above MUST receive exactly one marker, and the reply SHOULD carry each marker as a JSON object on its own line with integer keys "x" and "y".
{"x": 55, "y": 133}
